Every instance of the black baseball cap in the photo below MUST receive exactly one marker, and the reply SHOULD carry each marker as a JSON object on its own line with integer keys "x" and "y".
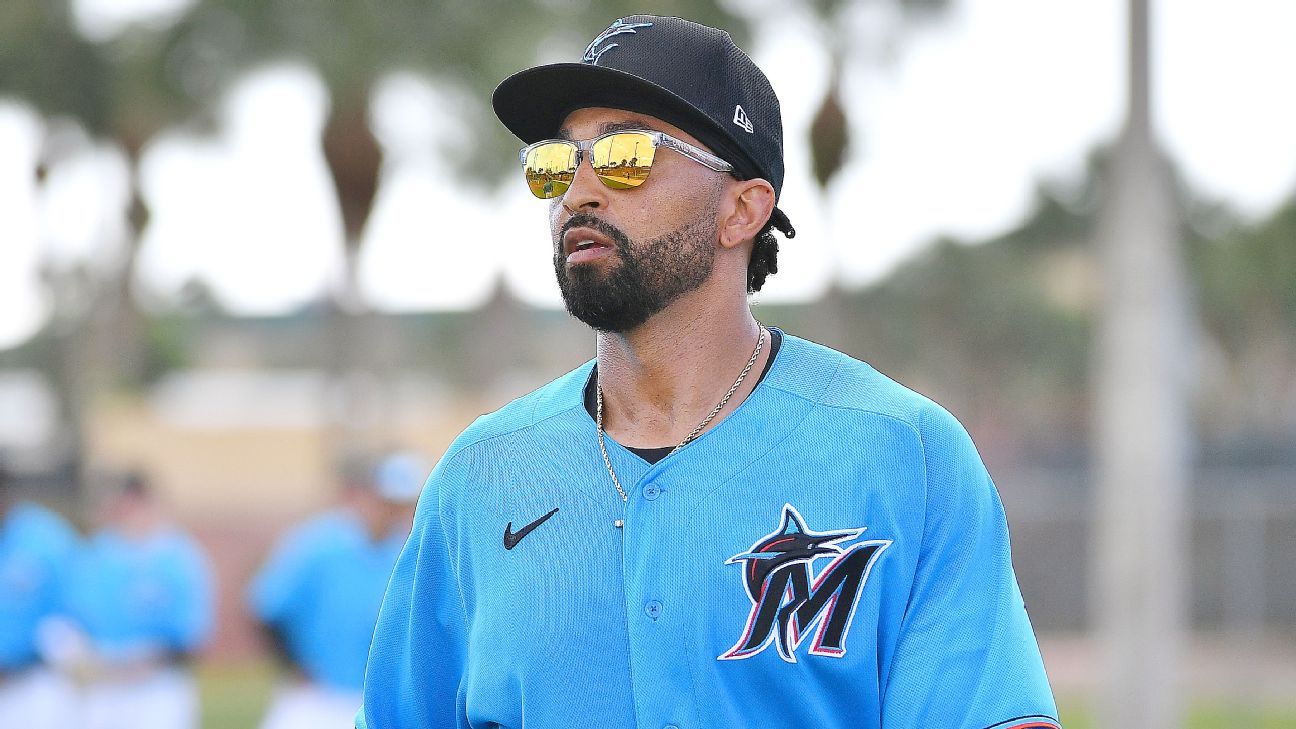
{"x": 690, "y": 75}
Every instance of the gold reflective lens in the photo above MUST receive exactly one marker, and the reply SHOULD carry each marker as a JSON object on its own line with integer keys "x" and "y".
{"x": 550, "y": 169}
{"x": 622, "y": 160}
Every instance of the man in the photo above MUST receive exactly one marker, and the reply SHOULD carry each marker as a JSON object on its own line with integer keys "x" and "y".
{"x": 319, "y": 593}
{"x": 36, "y": 548}
{"x": 139, "y": 606}
{"x": 713, "y": 524}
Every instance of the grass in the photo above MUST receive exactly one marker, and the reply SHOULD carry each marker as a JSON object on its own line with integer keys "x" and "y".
{"x": 235, "y": 695}
{"x": 1212, "y": 715}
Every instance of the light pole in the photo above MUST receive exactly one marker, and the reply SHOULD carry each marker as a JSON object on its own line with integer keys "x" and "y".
{"x": 1141, "y": 431}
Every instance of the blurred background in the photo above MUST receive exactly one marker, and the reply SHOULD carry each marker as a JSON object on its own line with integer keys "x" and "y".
{"x": 241, "y": 240}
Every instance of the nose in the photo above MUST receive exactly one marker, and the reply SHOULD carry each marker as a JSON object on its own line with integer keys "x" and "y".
{"x": 586, "y": 191}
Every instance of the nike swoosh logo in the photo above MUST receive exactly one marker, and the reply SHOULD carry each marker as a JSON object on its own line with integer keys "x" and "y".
{"x": 511, "y": 539}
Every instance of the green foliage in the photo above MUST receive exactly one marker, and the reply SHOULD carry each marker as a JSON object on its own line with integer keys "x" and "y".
{"x": 234, "y": 695}
{"x": 980, "y": 328}
{"x": 167, "y": 347}
{"x": 1247, "y": 281}
{"x": 45, "y": 61}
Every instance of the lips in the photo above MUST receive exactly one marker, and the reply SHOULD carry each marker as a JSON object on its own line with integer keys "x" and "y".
{"x": 581, "y": 244}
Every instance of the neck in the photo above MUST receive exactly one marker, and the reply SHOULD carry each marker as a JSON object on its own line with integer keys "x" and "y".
{"x": 380, "y": 519}
{"x": 140, "y": 525}
{"x": 377, "y": 527}
{"x": 663, "y": 378}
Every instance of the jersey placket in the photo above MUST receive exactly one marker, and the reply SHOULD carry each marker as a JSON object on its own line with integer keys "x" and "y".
{"x": 654, "y": 604}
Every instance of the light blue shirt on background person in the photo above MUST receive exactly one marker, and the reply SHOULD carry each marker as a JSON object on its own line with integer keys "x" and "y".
{"x": 137, "y": 598}
{"x": 138, "y": 602}
{"x": 36, "y": 549}
{"x": 322, "y": 587}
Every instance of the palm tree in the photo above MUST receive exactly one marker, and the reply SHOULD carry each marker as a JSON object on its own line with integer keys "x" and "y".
{"x": 831, "y": 127}
{"x": 115, "y": 93}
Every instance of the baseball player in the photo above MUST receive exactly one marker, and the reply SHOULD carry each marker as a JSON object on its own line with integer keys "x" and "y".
{"x": 139, "y": 605}
{"x": 319, "y": 593}
{"x": 36, "y": 548}
{"x": 713, "y": 523}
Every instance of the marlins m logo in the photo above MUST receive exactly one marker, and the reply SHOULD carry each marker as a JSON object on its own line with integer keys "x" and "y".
{"x": 789, "y": 598}
{"x": 593, "y": 52}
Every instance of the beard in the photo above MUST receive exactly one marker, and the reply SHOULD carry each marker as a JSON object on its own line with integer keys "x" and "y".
{"x": 648, "y": 278}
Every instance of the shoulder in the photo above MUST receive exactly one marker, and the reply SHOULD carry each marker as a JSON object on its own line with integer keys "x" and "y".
{"x": 98, "y": 549}
{"x": 862, "y": 402}
{"x": 934, "y": 441}
{"x": 559, "y": 397}
{"x": 514, "y": 432}
{"x": 40, "y": 525}
{"x": 322, "y": 531}
{"x": 183, "y": 546}
{"x": 832, "y": 379}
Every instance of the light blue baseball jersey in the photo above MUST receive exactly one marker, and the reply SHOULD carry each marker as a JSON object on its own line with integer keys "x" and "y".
{"x": 322, "y": 588}
{"x": 36, "y": 549}
{"x": 137, "y": 597}
{"x": 832, "y": 554}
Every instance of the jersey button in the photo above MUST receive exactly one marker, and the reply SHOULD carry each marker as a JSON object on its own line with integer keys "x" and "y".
{"x": 670, "y": 726}
{"x": 653, "y": 609}
{"x": 651, "y": 492}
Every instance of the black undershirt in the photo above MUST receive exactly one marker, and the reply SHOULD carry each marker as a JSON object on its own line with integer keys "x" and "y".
{"x": 653, "y": 455}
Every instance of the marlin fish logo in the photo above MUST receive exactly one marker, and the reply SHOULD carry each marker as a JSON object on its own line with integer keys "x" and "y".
{"x": 617, "y": 28}
{"x": 788, "y": 599}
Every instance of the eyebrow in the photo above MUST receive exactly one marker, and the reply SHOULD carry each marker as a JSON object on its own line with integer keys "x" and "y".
{"x": 614, "y": 126}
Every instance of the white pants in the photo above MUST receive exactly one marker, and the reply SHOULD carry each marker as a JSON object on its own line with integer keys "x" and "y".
{"x": 167, "y": 699}
{"x": 312, "y": 707}
{"x": 37, "y": 699}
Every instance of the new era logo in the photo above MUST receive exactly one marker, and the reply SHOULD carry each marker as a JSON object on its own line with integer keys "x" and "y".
{"x": 740, "y": 118}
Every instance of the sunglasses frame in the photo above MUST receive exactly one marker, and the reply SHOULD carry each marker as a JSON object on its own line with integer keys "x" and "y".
{"x": 659, "y": 140}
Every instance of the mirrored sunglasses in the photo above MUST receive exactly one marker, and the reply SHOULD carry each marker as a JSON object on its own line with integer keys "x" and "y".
{"x": 621, "y": 160}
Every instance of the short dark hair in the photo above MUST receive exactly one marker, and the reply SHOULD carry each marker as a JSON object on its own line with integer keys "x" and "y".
{"x": 135, "y": 483}
{"x": 764, "y": 257}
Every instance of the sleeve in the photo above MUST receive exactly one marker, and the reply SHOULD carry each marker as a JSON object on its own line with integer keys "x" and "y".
{"x": 966, "y": 654}
{"x": 414, "y": 678}
{"x": 64, "y": 549}
{"x": 51, "y": 577}
{"x": 278, "y": 586}
{"x": 191, "y": 621}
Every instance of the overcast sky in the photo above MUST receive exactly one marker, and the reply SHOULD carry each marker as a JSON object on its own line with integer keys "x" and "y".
{"x": 953, "y": 135}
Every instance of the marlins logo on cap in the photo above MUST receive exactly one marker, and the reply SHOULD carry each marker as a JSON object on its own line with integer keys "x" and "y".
{"x": 593, "y": 52}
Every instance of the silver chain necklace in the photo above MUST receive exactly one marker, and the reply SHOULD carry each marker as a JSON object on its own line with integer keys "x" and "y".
{"x": 598, "y": 415}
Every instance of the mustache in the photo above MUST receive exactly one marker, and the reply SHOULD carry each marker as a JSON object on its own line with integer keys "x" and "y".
{"x": 588, "y": 220}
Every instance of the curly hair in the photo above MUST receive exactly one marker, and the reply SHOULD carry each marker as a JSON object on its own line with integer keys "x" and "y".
{"x": 764, "y": 257}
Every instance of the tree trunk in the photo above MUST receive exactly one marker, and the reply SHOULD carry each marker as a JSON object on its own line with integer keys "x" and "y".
{"x": 354, "y": 160}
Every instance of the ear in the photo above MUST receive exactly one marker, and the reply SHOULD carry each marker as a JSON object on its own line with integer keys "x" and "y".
{"x": 748, "y": 206}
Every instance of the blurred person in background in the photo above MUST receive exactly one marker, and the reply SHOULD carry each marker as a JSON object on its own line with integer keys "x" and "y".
{"x": 319, "y": 593}
{"x": 36, "y": 550}
{"x": 139, "y": 605}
